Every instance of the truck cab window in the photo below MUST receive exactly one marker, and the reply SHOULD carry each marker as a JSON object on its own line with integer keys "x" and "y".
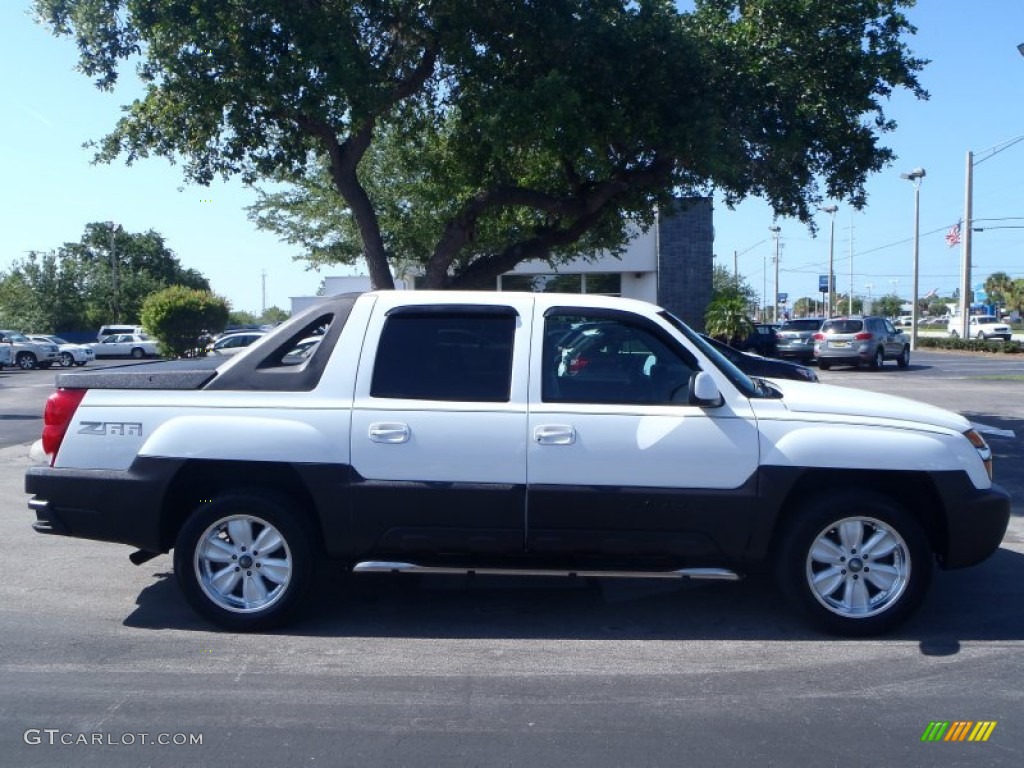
{"x": 433, "y": 355}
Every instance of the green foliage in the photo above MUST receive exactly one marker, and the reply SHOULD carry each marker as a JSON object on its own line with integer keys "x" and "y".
{"x": 726, "y": 318}
{"x": 241, "y": 317}
{"x": 180, "y": 318}
{"x": 465, "y": 137}
{"x": 725, "y": 283}
{"x": 273, "y": 316}
{"x": 888, "y": 306}
{"x": 102, "y": 279}
{"x": 969, "y": 345}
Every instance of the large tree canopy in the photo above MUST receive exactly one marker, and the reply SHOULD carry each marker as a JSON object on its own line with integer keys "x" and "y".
{"x": 499, "y": 132}
{"x": 103, "y": 278}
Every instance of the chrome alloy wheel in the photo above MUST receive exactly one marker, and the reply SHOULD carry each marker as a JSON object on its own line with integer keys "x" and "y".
{"x": 243, "y": 564}
{"x": 858, "y": 567}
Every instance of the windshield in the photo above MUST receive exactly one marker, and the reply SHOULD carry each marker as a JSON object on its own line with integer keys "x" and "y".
{"x": 738, "y": 378}
{"x": 801, "y": 325}
{"x": 18, "y": 338}
{"x": 987, "y": 320}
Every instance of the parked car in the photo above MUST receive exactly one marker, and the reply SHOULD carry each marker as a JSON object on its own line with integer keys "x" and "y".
{"x": 70, "y": 354}
{"x": 856, "y": 340}
{"x": 6, "y": 353}
{"x": 763, "y": 340}
{"x": 765, "y": 367}
{"x": 657, "y": 458}
{"x": 904, "y": 321}
{"x": 984, "y": 327}
{"x": 113, "y": 330}
{"x": 233, "y": 343}
{"x": 302, "y": 351}
{"x": 796, "y": 338}
{"x": 136, "y": 345}
{"x": 30, "y": 354}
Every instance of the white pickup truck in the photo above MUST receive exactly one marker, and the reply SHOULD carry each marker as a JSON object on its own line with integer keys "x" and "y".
{"x": 511, "y": 433}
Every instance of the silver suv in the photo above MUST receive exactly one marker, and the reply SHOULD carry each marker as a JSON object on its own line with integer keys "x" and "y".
{"x": 796, "y": 339}
{"x": 856, "y": 340}
{"x": 29, "y": 354}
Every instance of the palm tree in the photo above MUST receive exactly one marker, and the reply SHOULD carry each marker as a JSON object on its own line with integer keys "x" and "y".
{"x": 726, "y": 318}
{"x": 999, "y": 287}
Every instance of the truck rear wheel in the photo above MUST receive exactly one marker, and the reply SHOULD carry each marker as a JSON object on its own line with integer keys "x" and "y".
{"x": 856, "y": 562}
{"x": 244, "y": 560}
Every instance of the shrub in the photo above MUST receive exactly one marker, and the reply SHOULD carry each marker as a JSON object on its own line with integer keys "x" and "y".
{"x": 181, "y": 318}
{"x": 969, "y": 345}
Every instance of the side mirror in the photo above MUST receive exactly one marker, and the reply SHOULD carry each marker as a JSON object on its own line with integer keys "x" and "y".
{"x": 704, "y": 392}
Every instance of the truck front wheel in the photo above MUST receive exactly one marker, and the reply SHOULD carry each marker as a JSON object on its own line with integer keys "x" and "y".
{"x": 856, "y": 562}
{"x": 244, "y": 561}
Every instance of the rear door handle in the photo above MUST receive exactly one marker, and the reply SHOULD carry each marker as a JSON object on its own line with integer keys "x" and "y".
{"x": 389, "y": 432}
{"x": 554, "y": 434}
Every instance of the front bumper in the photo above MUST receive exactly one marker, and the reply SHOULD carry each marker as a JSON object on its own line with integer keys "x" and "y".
{"x": 976, "y": 519}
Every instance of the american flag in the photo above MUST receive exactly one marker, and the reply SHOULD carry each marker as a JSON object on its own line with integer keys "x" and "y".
{"x": 953, "y": 236}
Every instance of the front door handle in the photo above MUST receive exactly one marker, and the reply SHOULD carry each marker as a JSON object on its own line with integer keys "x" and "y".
{"x": 554, "y": 434}
{"x": 389, "y": 432}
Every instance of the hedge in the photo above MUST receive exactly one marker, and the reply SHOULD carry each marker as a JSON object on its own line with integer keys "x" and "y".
{"x": 969, "y": 345}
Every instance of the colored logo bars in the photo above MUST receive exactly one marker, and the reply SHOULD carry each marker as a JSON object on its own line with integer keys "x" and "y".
{"x": 958, "y": 730}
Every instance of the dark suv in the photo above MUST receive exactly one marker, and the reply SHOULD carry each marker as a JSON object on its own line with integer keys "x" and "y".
{"x": 856, "y": 340}
{"x": 796, "y": 338}
{"x": 761, "y": 341}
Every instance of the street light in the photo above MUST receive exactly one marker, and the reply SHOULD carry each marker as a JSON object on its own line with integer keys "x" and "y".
{"x": 775, "y": 303}
{"x": 915, "y": 177}
{"x": 831, "y": 210}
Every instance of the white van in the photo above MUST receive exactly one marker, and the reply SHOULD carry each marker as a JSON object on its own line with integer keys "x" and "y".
{"x": 108, "y": 330}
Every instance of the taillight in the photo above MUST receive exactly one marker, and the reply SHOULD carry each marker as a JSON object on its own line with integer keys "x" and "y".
{"x": 577, "y": 364}
{"x": 865, "y": 336}
{"x": 60, "y": 407}
{"x": 819, "y": 337}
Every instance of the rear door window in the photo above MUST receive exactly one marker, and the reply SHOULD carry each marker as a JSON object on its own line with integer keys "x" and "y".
{"x": 446, "y": 355}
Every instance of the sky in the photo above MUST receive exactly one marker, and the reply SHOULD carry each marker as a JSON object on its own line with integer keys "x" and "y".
{"x": 975, "y": 79}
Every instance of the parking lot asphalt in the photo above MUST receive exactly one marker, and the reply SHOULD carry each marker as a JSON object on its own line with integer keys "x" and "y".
{"x": 415, "y": 671}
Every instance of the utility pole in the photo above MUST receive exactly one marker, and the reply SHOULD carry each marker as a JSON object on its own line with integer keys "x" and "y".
{"x": 775, "y": 301}
{"x": 849, "y": 304}
{"x": 831, "y": 211}
{"x": 113, "y": 272}
{"x": 263, "y": 310}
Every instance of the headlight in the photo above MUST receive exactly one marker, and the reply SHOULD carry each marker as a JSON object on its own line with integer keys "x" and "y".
{"x": 983, "y": 450}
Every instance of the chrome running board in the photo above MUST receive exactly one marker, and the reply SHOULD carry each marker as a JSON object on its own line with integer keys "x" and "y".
{"x": 376, "y": 566}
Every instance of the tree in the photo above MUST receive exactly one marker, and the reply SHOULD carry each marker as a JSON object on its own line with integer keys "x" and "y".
{"x": 727, "y": 320}
{"x": 532, "y": 126}
{"x": 999, "y": 287}
{"x": 181, "y": 318}
{"x": 101, "y": 279}
{"x": 273, "y": 316}
{"x": 888, "y": 306}
{"x": 42, "y": 294}
{"x": 843, "y": 305}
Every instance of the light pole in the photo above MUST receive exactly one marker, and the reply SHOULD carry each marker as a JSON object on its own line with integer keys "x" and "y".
{"x": 915, "y": 177}
{"x": 831, "y": 210}
{"x": 775, "y": 301}
{"x": 114, "y": 227}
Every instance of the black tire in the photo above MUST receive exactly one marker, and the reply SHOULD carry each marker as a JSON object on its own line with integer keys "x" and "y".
{"x": 823, "y": 365}
{"x": 66, "y": 360}
{"x": 982, "y": 336}
{"x": 243, "y": 596}
{"x": 878, "y": 360}
{"x": 26, "y": 361}
{"x": 824, "y": 549}
{"x": 954, "y": 335}
{"x": 904, "y": 359}
{"x": 138, "y": 353}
